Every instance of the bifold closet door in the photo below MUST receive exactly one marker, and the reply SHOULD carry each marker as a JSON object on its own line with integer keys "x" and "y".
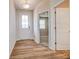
{"x": 62, "y": 28}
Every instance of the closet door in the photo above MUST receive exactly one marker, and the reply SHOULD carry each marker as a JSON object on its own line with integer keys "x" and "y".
{"x": 62, "y": 28}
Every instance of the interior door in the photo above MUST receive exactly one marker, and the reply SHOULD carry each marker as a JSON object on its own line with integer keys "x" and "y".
{"x": 62, "y": 28}
{"x": 25, "y": 25}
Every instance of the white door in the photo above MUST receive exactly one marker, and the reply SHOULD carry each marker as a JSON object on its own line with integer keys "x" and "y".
{"x": 62, "y": 28}
{"x": 25, "y": 25}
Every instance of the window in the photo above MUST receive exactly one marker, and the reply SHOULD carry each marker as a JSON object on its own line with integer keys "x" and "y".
{"x": 24, "y": 21}
{"x": 42, "y": 24}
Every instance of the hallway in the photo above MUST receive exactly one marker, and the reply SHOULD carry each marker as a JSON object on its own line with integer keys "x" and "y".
{"x": 28, "y": 49}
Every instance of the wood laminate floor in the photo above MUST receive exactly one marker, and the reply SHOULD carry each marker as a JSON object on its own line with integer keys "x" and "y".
{"x": 28, "y": 49}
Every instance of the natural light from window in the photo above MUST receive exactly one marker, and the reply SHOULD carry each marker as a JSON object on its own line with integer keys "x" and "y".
{"x": 42, "y": 24}
{"x": 24, "y": 21}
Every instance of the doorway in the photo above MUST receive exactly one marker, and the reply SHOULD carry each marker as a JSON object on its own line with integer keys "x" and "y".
{"x": 43, "y": 28}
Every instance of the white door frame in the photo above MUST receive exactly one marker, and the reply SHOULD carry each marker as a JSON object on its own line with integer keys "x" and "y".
{"x": 48, "y": 25}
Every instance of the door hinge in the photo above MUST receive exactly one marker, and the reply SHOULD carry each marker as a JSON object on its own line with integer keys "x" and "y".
{"x": 55, "y": 12}
{"x": 55, "y": 27}
{"x": 55, "y": 43}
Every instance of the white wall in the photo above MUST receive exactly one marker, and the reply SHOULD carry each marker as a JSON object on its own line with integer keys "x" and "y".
{"x": 52, "y": 28}
{"x": 12, "y": 26}
{"x": 24, "y": 33}
{"x": 36, "y": 30}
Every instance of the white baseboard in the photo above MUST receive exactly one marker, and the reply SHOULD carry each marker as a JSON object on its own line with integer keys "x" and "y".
{"x": 25, "y": 38}
{"x": 11, "y": 49}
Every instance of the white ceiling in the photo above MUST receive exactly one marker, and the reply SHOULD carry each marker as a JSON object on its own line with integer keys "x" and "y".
{"x": 33, "y": 3}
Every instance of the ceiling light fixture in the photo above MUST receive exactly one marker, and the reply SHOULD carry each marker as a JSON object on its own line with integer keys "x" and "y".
{"x": 26, "y": 6}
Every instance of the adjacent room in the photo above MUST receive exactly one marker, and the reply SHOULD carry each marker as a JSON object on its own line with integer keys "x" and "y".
{"x": 39, "y": 29}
